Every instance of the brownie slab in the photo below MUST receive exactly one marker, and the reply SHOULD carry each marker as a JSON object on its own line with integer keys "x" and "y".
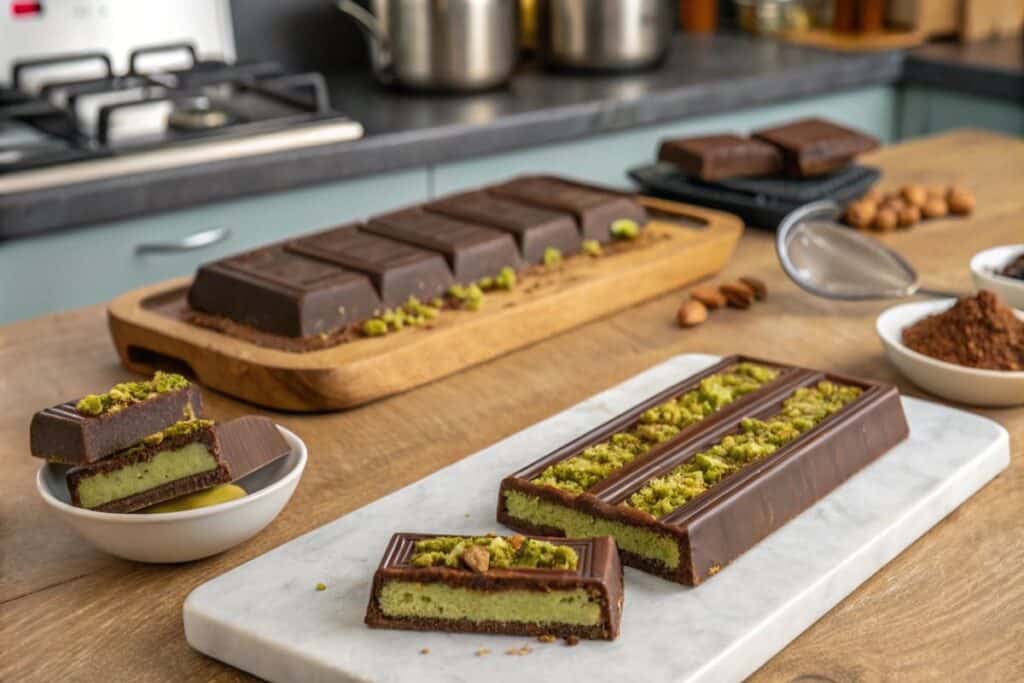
{"x": 65, "y": 434}
{"x": 815, "y": 146}
{"x": 283, "y": 293}
{"x": 512, "y": 586}
{"x": 717, "y": 157}
{"x": 472, "y": 251}
{"x": 534, "y": 229}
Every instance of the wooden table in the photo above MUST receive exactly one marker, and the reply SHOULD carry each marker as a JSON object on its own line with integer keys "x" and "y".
{"x": 950, "y": 607}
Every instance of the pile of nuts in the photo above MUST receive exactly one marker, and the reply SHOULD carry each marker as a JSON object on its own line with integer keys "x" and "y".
{"x": 884, "y": 212}
{"x": 739, "y": 294}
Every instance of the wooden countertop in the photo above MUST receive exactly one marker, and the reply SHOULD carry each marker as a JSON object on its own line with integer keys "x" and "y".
{"x": 950, "y": 607}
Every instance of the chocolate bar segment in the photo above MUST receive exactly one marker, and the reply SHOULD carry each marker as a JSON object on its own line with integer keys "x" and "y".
{"x": 688, "y": 510}
{"x": 595, "y": 209}
{"x": 815, "y": 146}
{"x": 398, "y": 270}
{"x": 717, "y": 157}
{"x": 64, "y": 434}
{"x": 518, "y": 585}
{"x": 250, "y": 443}
{"x": 283, "y": 293}
{"x": 534, "y": 229}
{"x": 182, "y": 459}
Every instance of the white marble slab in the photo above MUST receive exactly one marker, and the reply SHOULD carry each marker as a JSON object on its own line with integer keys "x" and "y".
{"x": 267, "y": 618}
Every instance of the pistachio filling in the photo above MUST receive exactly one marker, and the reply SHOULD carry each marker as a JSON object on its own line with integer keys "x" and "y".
{"x": 513, "y": 552}
{"x": 756, "y": 439}
{"x": 103, "y": 487}
{"x": 579, "y": 472}
{"x": 125, "y": 394}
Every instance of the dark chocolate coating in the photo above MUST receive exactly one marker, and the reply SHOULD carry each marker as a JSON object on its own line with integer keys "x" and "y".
{"x": 283, "y": 293}
{"x": 534, "y": 229}
{"x": 472, "y": 251}
{"x": 398, "y": 270}
{"x": 716, "y": 527}
{"x": 598, "y": 571}
{"x": 717, "y": 157}
{"x": 815, "y": 146}
{"x": 594, "y": 208}
{"x": 250, "y": 443}
{"x": 62, "y": 434}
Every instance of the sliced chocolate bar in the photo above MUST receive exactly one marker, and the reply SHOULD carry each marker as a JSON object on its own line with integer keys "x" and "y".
{"x": 250, "y": 443}
{"x": 717, "y": 157}
{"x": 182, "y": 459}
{"x": 534, "y": 229}
{"x": 513, "y": 585}
{"x": 815, "y": 146}
{"x": 87, "y": 430}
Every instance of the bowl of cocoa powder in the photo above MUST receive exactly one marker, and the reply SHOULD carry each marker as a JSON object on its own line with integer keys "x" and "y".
{"x": 969, "y": 350}
{"x": 1001, "y": 269}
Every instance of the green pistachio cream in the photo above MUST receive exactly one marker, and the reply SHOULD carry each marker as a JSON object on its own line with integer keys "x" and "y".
{"x": 122, "y": 395}
{"x": 516, "y": 552}
{"x": 579, "y": 472}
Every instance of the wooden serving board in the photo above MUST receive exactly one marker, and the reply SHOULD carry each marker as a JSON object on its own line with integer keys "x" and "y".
{"x": 684, "y": 243}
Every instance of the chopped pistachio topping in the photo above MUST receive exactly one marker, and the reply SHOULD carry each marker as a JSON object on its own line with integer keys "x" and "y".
{"x": 552, "y": 256}
{"x": 592, "y": 248}
{"x": 625, "y": 229}
{"x": 755, "y": 440}
{"x": 413, "y": 313}
{"x": 470, "y": 296}
{"x": 182, "y": 428}
{"x": 506, "y": 279}
{"x": 126, "y": 393}
{"x": 505, "y": 552}
{"x": 579, "y": 472}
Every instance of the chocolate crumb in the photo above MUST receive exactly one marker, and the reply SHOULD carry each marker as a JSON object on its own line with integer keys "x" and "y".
{"x": 425, "y": 651}
{"x": 546, "y": 638}
{"x": 714, "y": 569}
{"x": 482, "y": 652}
{"x": 572, "y": 641}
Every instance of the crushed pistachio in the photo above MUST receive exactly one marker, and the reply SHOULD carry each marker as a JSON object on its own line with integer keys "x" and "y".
{"x": 321, "y": 587}
{"x": 660, "y": 423}
{"x": 755, "y": 440}
{"x": 625, "y": 229}
{"x": 505, "y": 279}
{"x": 124, "y": 394}
{"x": 182, "y": 428}
{"x": 552, "y": 256}
{"x": 470, "y": 297}
{"x": 546, "y": 638}
{"x": 592, "y": 248}
{"x": 504, "y": 553}
{"x": 413, "y": 313}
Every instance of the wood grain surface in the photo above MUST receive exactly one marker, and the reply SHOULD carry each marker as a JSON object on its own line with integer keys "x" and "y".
{"x": 951, "y": 607}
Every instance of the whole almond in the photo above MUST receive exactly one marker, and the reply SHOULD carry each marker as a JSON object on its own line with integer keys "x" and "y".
{"x": 960, "y": 200}
{"x": 758, "y": 286}
{"x": 692, "y": 313}
{"x": 914, "y": 195}
{"x": 709, "y": 296}
{"x": 935, "y": 207}
{"x": 737, "y": 294}
{"x": 477, "y": 558}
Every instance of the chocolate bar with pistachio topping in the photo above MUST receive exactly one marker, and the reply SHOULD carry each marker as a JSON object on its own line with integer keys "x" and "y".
{"x": 514, "y": 585}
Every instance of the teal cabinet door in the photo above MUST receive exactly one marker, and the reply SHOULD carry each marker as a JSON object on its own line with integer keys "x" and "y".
{"x": 924, "y": 111}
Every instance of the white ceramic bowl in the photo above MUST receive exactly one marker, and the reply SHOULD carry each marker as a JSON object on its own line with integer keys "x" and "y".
{"x": 955, "y": 382}
{"x": 984, "y": 265}
{"x": 190, "y": 534}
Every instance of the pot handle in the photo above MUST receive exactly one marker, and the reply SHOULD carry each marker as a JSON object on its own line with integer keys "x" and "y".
{"x": 380, "y": 45}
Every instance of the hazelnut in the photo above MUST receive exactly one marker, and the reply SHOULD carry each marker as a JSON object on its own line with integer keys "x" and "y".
{"x": 935, "y": 207}
{"x": 692, "y": 313}
{"x": 908, "y": 216}
{"x": 873, "y": 195}
{"x": 960, "y": 200}
{"x": 893, "y": 204}
{"x": 757, "y": 285}
{"x": 709, "y": 296}
{"x": 915, "y": 195}
{"x": 886, "y": 220}
{"x": 859, "y": 214}
{"x": 738, "y": 294}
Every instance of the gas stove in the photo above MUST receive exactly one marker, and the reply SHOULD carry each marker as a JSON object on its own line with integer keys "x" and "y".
{"x": 71, "y": 119}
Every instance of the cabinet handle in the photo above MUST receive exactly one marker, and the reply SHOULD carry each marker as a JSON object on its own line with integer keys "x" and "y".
{"x": 193, "y": 242}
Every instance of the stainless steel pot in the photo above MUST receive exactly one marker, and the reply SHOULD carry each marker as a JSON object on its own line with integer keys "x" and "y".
{"x": 456, "y": 45}
{"x": 604, "y": 34}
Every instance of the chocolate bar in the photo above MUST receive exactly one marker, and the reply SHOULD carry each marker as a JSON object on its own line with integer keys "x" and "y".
{"x": 534, "y": 229}
{"x": 250, "y": 443}
{"x": 283, "y": 293}
{"x": 182, "y": 459}
{"x": 705, "y": 494}
{"x": 815, "y": 146}
{"x": 87, "y": 430}
{"x": 489, "y": 584}
{"x": 472, "y": 251}
{"x": 398, "y": 270}
{"x": 717, "y": 157}
{"x": 595, "y": 209}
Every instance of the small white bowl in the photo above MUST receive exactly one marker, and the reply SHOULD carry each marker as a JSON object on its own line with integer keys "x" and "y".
{"x": 190, "y": 534}
{"x": 955, "y": 382}
{"x": 984, "y": 266}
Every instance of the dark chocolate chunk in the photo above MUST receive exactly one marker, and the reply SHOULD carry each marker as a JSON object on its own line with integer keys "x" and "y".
{"x": 716, "y": 157}
{"x": 472, "y": 251}
{"x": 250, "y": 443}
{"x": 61, "y": 434}
{"x": 815, "y": 146}
{"x": 534, "y": 229}
{"x": 397, "y": 269}
{"x": 598, "y": 573}
{"x": 595, "y": 209}
{"x": 283, "y": 293}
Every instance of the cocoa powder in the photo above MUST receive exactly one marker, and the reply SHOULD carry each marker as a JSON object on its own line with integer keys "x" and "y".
{"x": 978, "y": 331}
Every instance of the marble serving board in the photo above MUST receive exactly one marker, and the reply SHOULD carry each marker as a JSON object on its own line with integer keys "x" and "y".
{"x": 267, "y": 617}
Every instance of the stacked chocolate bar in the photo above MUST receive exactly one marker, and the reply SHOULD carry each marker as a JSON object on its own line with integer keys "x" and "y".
{"x": 143, "y": 443}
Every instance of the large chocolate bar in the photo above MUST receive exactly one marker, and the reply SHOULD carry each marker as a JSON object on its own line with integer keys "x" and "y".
{"x": 717, "y": 157}
{"x": 534, "y": 229}
{"x": 480, "y": 585}
{"x": 696, "y": 502}
{"x": 815, "y": 146}
{"x": 283, "y": 293}
{"x": 398, "y": 270}
{"x": 595, "y": 209}
{"x": 73, "y": 436}
{"x": 472, "y": 251}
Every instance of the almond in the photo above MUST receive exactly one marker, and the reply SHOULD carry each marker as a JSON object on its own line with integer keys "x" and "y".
{"x": 709, "y": 296}
{"x": 737, "y": 294}
{"x": 477, "y": 558}
{"x": 692, "y": 313}
{"x": 757, "y": 285}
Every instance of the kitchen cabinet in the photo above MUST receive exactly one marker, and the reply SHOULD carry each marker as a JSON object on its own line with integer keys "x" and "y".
{"x": 925, "y": 110}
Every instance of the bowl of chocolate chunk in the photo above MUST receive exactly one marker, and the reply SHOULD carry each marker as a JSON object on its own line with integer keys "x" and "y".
{"x": 1001, "y": 269}
{"x": 969, "y": 350}
{"x": 142, "y": 473}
